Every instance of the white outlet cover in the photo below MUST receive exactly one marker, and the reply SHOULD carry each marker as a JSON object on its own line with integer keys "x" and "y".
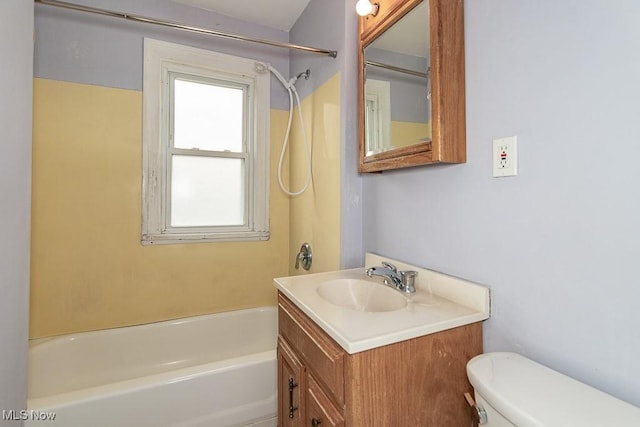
{"x": 505, "y": 156}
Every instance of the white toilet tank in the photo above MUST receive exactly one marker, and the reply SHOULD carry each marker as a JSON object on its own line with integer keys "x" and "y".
{"x": 516, "y": 391}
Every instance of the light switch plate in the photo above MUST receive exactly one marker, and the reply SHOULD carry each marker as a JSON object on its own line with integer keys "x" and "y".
{"x": 505, "y": 156}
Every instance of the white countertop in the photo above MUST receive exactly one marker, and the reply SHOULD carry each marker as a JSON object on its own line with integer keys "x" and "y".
{"x": 441, "y": 302}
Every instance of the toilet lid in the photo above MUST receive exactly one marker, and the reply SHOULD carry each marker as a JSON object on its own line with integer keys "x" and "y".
{"x": 530, "y": 394}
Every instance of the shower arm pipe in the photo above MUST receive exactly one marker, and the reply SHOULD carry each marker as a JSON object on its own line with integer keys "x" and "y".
{"x": 398, "y": 69}
{"x": 137, "y": 18}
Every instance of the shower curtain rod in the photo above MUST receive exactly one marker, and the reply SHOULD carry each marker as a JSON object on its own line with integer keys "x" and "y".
{"x": 104, "y": 12}
{"x": 398, "y": 69}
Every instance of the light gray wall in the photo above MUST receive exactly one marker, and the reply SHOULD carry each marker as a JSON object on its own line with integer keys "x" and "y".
{"x": 16, "y": 53}
{"x": 333, "y": 25}
{"x": 558, "y": 244}
{"x": 311, "y": 29}
{"x": 98, "y": 50}
{"x": 351, "y": 251}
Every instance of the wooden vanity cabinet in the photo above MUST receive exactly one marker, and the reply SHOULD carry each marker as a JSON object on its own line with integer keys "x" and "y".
{"x": 417, "y": 382}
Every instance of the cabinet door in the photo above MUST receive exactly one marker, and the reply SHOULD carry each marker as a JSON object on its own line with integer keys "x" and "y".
{"x": 291, "y": 386}
{"x": 321, "y": 412}
{"x": 317, "y": 351}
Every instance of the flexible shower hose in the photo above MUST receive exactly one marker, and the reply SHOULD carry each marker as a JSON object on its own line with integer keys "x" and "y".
{"x": 290, "y": 86}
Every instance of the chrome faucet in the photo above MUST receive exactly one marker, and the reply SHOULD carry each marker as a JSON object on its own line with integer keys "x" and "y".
{"x": 401, "y": 280}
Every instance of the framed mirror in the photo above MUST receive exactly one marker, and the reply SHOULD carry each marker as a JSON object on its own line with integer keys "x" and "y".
{"x": 411, "y": 85}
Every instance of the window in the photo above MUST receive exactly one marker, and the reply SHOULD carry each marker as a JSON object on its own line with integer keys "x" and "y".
{"x": 377, "y": 116}
{"x": 205, "y": 146}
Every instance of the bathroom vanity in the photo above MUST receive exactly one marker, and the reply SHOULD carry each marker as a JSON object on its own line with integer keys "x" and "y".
{"x": 344, "y": 361}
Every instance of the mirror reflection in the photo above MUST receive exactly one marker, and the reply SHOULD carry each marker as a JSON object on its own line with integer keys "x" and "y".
{"x": 397, "y": 103}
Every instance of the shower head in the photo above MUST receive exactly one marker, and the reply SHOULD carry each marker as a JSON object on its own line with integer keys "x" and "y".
{"x": 304, "y": 74}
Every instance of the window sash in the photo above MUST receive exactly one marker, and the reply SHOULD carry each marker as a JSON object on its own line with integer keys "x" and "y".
{"x": 246, "y": 87}
{"x": 207, "y": 200}
{"x": 171, "y": 150}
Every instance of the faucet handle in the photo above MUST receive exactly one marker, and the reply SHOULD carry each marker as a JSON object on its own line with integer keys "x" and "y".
{"x": 389, "y": 266}
{"x": 408, "y": 280}
{"x": 304, "y": 257}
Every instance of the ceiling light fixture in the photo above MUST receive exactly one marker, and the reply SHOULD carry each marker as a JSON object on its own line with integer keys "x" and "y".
{"x": 365, "y": 7}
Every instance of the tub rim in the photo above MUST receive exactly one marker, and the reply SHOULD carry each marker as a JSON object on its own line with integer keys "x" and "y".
{"x": 43, "y": 341}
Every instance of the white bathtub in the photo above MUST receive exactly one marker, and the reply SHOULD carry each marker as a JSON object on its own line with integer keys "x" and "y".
{"x": 216, "y": 370}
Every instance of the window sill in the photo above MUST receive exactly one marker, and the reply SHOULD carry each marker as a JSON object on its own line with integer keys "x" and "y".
{"x": 168, "y": 239}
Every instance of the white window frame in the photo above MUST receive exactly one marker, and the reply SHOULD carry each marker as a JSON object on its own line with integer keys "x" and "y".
{"x": 378, "y": 116}
{"x": 161, "y": 59}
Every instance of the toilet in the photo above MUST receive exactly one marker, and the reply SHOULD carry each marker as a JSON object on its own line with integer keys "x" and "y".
{"x": 511, "y": 390}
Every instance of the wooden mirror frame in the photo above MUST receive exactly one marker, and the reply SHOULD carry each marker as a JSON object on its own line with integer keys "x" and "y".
{"x": 448, "y": 134}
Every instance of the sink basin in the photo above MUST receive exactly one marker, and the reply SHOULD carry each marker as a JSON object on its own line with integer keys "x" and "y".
{"x": 361, "y": 295}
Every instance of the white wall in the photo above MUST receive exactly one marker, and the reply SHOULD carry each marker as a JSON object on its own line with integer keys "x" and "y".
{"x": 16, "y": 75}
{"x": 559, "y": 244}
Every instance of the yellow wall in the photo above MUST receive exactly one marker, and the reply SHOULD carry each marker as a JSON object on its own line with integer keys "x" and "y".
{"x": 89, "y": 270}
{"x": 315, "y": 215}
{"x": 409, "y": 133}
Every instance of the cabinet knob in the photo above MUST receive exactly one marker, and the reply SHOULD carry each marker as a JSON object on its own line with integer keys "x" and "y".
{"x": 315, "y": 422}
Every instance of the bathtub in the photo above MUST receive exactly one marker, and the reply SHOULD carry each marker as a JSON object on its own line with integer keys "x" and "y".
{"x": 215, "y": 370}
